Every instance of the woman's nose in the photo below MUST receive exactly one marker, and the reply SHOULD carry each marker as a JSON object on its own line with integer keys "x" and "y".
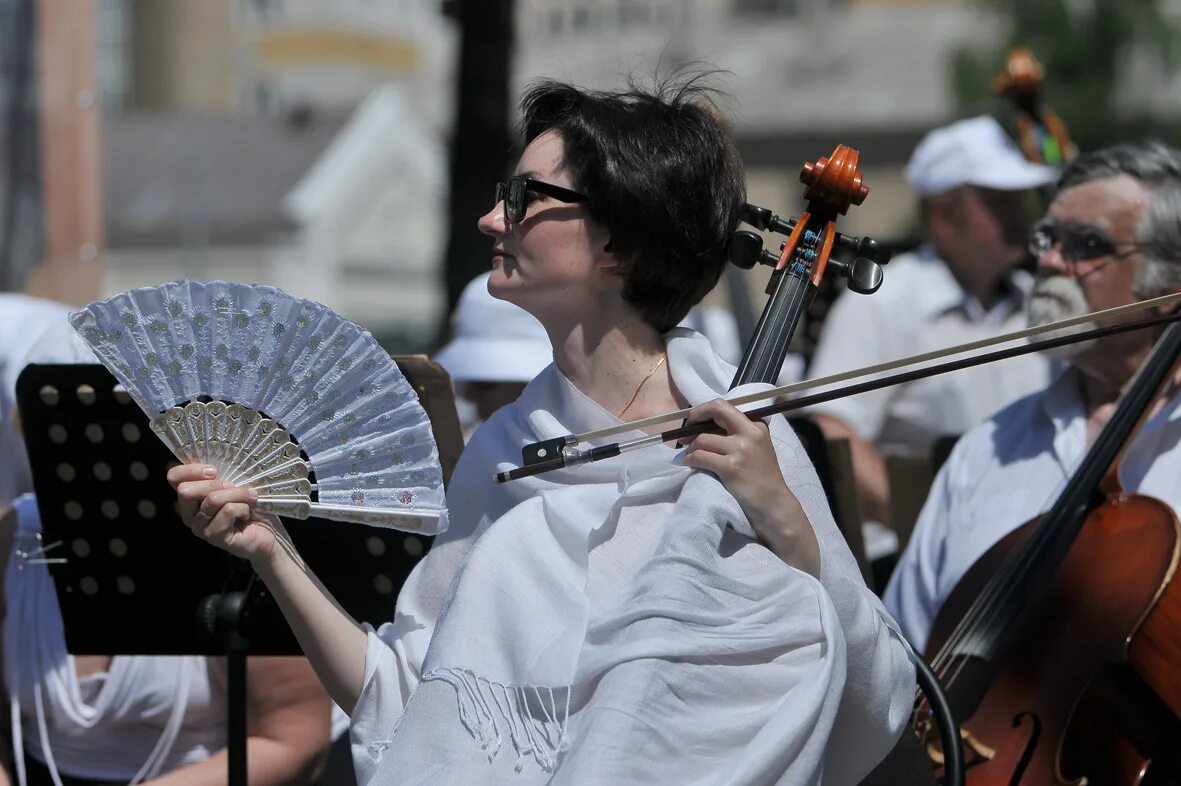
{"x": 494, "y": 222}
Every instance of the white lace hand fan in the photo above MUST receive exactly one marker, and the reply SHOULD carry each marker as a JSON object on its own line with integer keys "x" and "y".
{"x": 281, "y": 394}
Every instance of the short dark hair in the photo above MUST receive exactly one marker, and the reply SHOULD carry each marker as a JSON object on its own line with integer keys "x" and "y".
{"x": 660, "y": 172}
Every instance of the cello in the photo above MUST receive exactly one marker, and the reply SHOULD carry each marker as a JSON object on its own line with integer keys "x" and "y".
{"x": 812, "y": 246}
{"x": 1061, "y": 646}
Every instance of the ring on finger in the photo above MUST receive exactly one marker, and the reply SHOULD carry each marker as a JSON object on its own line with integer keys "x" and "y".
{"x": 202, "y": 518}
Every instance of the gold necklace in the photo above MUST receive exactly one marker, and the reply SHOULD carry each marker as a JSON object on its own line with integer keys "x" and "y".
{"x": 632, "y": 400}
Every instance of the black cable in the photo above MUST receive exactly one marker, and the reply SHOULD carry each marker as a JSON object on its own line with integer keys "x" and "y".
{"x": 949, "y": 729}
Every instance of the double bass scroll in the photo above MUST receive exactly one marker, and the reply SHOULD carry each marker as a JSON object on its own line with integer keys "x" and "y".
{"x": 1040, "y": 131}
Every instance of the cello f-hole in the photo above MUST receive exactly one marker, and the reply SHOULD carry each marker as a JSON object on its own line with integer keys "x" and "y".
{"x": 1026, "y": 757}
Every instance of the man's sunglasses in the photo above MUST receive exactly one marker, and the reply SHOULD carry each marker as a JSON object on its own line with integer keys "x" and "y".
{"x": 515, "y": 194}
{"x": 1076, "y": 242}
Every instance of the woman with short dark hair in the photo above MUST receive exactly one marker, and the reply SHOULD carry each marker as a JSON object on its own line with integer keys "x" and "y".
{"x": 614, "y": 622}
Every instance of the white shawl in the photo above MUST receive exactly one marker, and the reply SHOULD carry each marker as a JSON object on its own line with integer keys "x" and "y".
{"x": 617, "y": 623}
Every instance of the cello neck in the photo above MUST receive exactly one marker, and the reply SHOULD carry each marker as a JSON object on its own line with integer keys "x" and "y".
{"x": 767, "y": 349}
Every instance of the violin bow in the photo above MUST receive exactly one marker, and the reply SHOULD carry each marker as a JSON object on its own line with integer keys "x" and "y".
{"x": 569, "y": 454}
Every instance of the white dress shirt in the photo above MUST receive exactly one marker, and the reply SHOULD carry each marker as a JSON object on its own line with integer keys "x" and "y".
{"x": 1003, "y": 473}
{"x": 920, "y": 308}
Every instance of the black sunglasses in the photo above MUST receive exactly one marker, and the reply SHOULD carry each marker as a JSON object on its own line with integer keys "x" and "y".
{"x": 515, "y": 194}
{"x": 1077, "y": 242}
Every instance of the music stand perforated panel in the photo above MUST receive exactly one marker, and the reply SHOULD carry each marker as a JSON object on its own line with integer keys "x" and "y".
{"x": 134, "y": 575}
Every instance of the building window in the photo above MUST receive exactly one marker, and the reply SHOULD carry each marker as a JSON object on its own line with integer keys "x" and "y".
{"x": 765, "y": 8}
{"x": 113, "y": 23}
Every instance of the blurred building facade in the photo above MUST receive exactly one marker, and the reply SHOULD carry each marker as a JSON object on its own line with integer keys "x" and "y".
{"x": 221, "y": 116}
{"x": 293, "y": 142}
{"x": 804, "y": 75}
{"x": 303, "y": 142}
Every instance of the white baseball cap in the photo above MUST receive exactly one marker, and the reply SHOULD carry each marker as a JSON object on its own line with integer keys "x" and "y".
{"x": 494, "y": 341}
{"x": 973, "y": 152}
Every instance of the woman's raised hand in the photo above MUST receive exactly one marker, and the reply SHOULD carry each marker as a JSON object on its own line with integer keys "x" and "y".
{"x": 744, "y": 460}
{"x": 222, "y": 514}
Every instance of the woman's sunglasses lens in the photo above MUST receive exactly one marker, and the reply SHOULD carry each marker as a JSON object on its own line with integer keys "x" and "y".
{"x": 516, "y": 200}
{"x": 500, "y": 192}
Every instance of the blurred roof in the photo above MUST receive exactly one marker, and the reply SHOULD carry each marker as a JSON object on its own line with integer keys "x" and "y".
{"x": 174, "y": 179}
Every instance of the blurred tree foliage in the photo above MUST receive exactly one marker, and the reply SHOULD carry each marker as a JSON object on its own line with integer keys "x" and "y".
{"x": 1084, "y": 46}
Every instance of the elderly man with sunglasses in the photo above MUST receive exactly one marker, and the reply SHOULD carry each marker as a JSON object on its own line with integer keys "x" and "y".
{"x": 1112, "y": 236}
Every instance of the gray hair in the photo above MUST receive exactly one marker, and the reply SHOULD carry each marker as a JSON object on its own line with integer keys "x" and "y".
{"x": 1159, "y": 238}
{"x": 1152, "y": 162}
{"x": 1158, "y": 168}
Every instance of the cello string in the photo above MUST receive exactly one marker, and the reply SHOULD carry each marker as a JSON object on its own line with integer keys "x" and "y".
{"x": 777, "y": 328}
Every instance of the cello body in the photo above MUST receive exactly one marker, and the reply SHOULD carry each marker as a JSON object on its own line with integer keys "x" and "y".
{"x": 1090, "y": 691}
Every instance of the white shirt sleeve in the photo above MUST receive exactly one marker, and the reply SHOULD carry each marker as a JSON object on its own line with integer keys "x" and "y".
{"x": 855, "y": 335}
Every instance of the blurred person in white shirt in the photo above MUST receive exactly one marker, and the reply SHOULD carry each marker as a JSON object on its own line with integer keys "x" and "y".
{"x": 24, "y": 320}
{"x": 497, "y": 349}
{"x": 963, "y": 284}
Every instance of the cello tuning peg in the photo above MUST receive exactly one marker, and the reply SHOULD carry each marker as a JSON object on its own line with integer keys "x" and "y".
{"x": 869, "y": 248}
{"x": 864, "y": 246}
{"x": 757, "y": 217}
{"x": 864, "y": 276}
{"x": 744, "y": 249}
{"x": 764, "y": 220}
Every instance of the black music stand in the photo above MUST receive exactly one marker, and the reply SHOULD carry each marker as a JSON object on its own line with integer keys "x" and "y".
{"x": 135, "y": 581}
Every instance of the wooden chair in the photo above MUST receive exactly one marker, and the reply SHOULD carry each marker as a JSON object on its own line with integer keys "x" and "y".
{"x": 433, "y": 386}
{"x": 910, "y": 481}
{"x": 833, "y": 459}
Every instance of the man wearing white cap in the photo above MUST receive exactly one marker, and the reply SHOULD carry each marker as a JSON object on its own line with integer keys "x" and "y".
{"x": 497, "y": 349}
{"x": 963, "y": 284}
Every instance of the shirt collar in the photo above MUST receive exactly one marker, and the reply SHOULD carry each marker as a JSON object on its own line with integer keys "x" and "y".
{"x": 1062, "y": 404}
{"x": 943, "y": 294}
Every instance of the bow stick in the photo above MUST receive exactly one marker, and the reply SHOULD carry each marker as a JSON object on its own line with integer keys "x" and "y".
{"x": 570, "y": 455}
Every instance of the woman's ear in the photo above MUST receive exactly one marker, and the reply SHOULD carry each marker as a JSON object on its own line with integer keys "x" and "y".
{"x": 607, "y": 258}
